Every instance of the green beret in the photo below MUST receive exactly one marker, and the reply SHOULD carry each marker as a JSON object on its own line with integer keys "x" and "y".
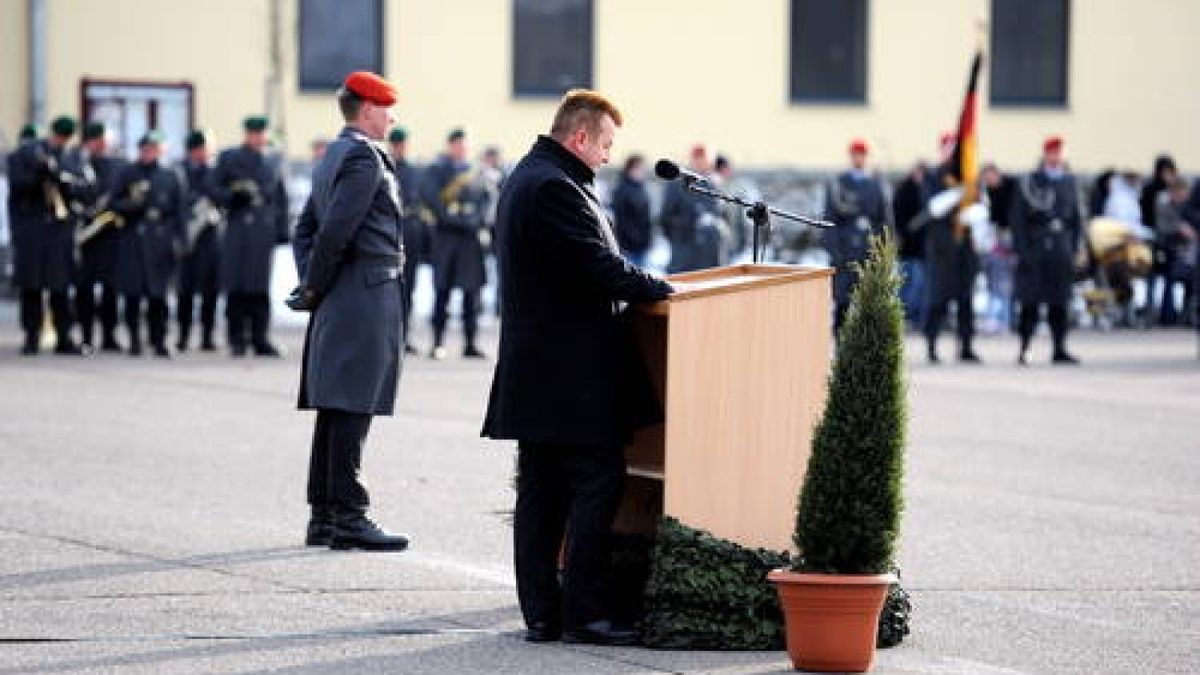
{"x": 63, "y": 126}
{"x": 195, "y": 140}
{"x": 152, "y": 137}
{"x": 456, "y": 135}
{"x": 93, "y": 130}
{"x": 28, "y": 132}
{"x": 398, "y": 135}
{"x": 256, "y": 123}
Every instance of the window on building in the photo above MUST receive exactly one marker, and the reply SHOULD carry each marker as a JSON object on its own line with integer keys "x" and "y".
{"x": 337, "y": 38}
{"x": 552, "y": 46}
{"x": 1029, "y": 52}
{"x": 829, "y": 51}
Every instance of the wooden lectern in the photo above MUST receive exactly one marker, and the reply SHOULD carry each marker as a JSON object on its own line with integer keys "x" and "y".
{"x": 740, "y": 360}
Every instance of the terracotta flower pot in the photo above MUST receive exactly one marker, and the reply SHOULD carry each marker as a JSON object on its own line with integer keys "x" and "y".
{"x": 832, "y": 620}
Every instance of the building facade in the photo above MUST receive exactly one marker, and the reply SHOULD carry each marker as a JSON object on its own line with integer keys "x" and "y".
{"x": 774, "y": 83}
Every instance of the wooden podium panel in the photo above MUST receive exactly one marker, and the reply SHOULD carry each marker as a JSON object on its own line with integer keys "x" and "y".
{"x": 740, "y": 358}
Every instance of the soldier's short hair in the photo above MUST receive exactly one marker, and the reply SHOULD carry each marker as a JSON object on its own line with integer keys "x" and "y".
{"x": 582, "y": 107}
{"x": 349, "y": 103}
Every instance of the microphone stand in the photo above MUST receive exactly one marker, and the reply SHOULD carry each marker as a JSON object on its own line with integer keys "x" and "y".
{"x": 759, "y": 213}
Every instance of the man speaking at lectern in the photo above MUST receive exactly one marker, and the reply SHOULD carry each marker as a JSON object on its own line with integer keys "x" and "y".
{"x": 567, "y": 372}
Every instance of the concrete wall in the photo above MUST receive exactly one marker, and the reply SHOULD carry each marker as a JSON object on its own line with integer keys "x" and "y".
{"x": 682, "y": 70}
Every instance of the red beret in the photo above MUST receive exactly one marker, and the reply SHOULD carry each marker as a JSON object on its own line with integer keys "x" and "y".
{"x": 947, "y": 138}
{"x": 858, "y": 145}
{"x": 371, "y": 87}
{"x": 1052, "y": 144}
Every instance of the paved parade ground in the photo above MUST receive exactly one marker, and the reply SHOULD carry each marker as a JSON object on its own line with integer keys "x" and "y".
{"x": 151, "y": 513}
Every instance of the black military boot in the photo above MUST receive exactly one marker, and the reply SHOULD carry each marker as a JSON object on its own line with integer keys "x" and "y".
{"x": 967, "y": 355}
{"x": 1063, "y": 358}
{"x": 352, "y": 529}
{"x": 30, "y": 348}
{"x": 320, "y": 527}
{"x": 109, "y": 343}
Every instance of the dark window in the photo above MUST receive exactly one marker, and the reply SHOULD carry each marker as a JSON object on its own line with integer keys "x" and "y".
{"x": 337, "y": 38}
{"x": 1029, "y": 52}
{"x": 552, "y": 46}
{"x": 829, "y": 51}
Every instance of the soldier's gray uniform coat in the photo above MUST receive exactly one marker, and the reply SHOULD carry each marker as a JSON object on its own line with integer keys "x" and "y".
{"x": 252, "y": 229}
{"x": 858, "y": 209}
{"x": 152, "y": 232}
{"x": 1046, "y": 228}
{"x": 43, "y": 245}
{"x": 348, "y": 251}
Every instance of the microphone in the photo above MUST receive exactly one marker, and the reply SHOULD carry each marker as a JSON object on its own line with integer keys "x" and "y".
{"x": 668, "y": 170}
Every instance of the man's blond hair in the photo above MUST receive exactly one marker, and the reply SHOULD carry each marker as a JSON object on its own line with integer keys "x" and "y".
{"x": 582, "y": 108}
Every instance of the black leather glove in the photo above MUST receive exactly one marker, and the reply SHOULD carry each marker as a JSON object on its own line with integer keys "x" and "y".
{"x": 302, "y": 299}
{"x": 240, "y": 199}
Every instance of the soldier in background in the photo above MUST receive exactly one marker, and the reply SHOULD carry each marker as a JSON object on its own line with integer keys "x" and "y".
{"x": 692, "y": 221}
{"x": 415, "y": 231}
{"x": 856, "y": 205}
{"x": 96, "y": 171}
{"x": 459, "y": 202}
{"x": 1046, "y": 230}
{"x": 249, "y": 186}
{"x": 147, "y": 198}
{"x": 42, "y": 226}
{"x": 631, "y": 211}
{"x": 200, "y": 266}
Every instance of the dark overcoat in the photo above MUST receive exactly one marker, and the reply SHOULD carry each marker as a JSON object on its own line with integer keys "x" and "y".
{"x": 95, "y": 175}
{"x": 693, "y": 247}
{"x": 253, "y": 225}
{"x": 152, "y": 230}
{"x": 631, "y": 213}
{"x": 459, "y": 204}
{"x": 567, "y": 373}
{"x": 1046, "y": 227}
{"x": 348, "y": 251}
{"x": 856, "y": 205}
{"x": 43, "y": 244}
{"x": 200, "y": 268}
{"x": 417, "y": 237}
{"x": 951, "y": 264}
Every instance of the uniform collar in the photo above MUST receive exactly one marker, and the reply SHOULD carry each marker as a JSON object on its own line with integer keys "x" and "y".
{"x": 575, "y": 168}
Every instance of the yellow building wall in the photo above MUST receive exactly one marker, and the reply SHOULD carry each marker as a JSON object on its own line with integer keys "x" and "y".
{"x": 682, "y": 70}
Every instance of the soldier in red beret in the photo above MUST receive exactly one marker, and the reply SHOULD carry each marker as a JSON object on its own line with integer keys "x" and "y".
{"x": 855, "y": 203}
{"x": 349, "y": 259}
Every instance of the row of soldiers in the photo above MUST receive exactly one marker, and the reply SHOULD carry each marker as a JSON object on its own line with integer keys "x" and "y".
{"x": 1043, "y": 216}
{"x": 86, "y": 222}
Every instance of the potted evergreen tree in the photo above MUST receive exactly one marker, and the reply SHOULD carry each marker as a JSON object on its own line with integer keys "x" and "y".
{"x": 848, "y": 516}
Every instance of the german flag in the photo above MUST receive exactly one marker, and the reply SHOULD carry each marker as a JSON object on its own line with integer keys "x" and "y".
{"x": 964, "y": 163}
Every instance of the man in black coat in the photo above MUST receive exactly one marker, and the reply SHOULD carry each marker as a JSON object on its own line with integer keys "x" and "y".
{"x": 692, "y": 221}
{"x": 908, "y": 215}
{"x": 149, "y": 201}
{"x": 1046, "y": 232}
{"x": 349, "y": 258}
{"x": 560, "y": 387}
{"x": 631, "y": 211}
{"x": 249, "y": 186}
{"x": 416, "y": 234}
{"x": 95, "y": 172}
{"x": 951, "y": 266}
{"x": 459, "y": 203}
{"x": 42, "y": 226}
{"x": 200, "y": 267}
{"x": 856, "y": 205}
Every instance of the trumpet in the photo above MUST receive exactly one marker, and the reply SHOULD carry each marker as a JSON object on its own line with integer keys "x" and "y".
{"x": 106, "y": 217}
{"x": 204, "y": 215}
{"x": 248, "y": 187}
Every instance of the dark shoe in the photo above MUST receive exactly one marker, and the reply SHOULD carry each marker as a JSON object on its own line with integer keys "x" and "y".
{"x": 67, "y": 348}
{"x": 237, "y": 351}
{"x": 135, "y": 349}
{"x": 110, "y": 344}
{"x": 320, "y": 528}
{"x": 161, "y": 352}
{"x": 1022, "y": 360}
{"x": 208, "y": 345}
{"x": 541, "y": 631}
{"x": 969, "y": 356}
{"x": 30, "y": 348}
{"x": 473, "y": 352}
{"x": 932, "y": 356}
{"x": 602, "y": 633}
{"x": 410, "y": 350}
{"x": 357, "y": 531}
{"x": 1062, "y": 358}
{"x": 181, "y": 346}
{"x": 266, "y": 350}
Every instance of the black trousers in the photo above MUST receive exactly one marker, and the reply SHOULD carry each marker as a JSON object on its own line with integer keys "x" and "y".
{"x": 336, "y": 458}
{"x": 1056, "y": 316}
{"x": 410, "y": 282}
{"x": 87, "y": 310}
{"x": 249, "y": 317}
{"x": 964, "y": 311}
{"x": 470, "y": 314}
{"x": 186, "y": 312}
{"x": 156, "y": 319}
{"x": 569, "y": 491}
{"x": 33, "y": 313}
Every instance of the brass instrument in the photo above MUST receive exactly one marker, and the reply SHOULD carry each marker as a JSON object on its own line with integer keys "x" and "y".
{"x": 204, "y": 215}
{"x": 248, "y": 186}
{"x": 106, "y": 217}
{"x": 50, "y": 189}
